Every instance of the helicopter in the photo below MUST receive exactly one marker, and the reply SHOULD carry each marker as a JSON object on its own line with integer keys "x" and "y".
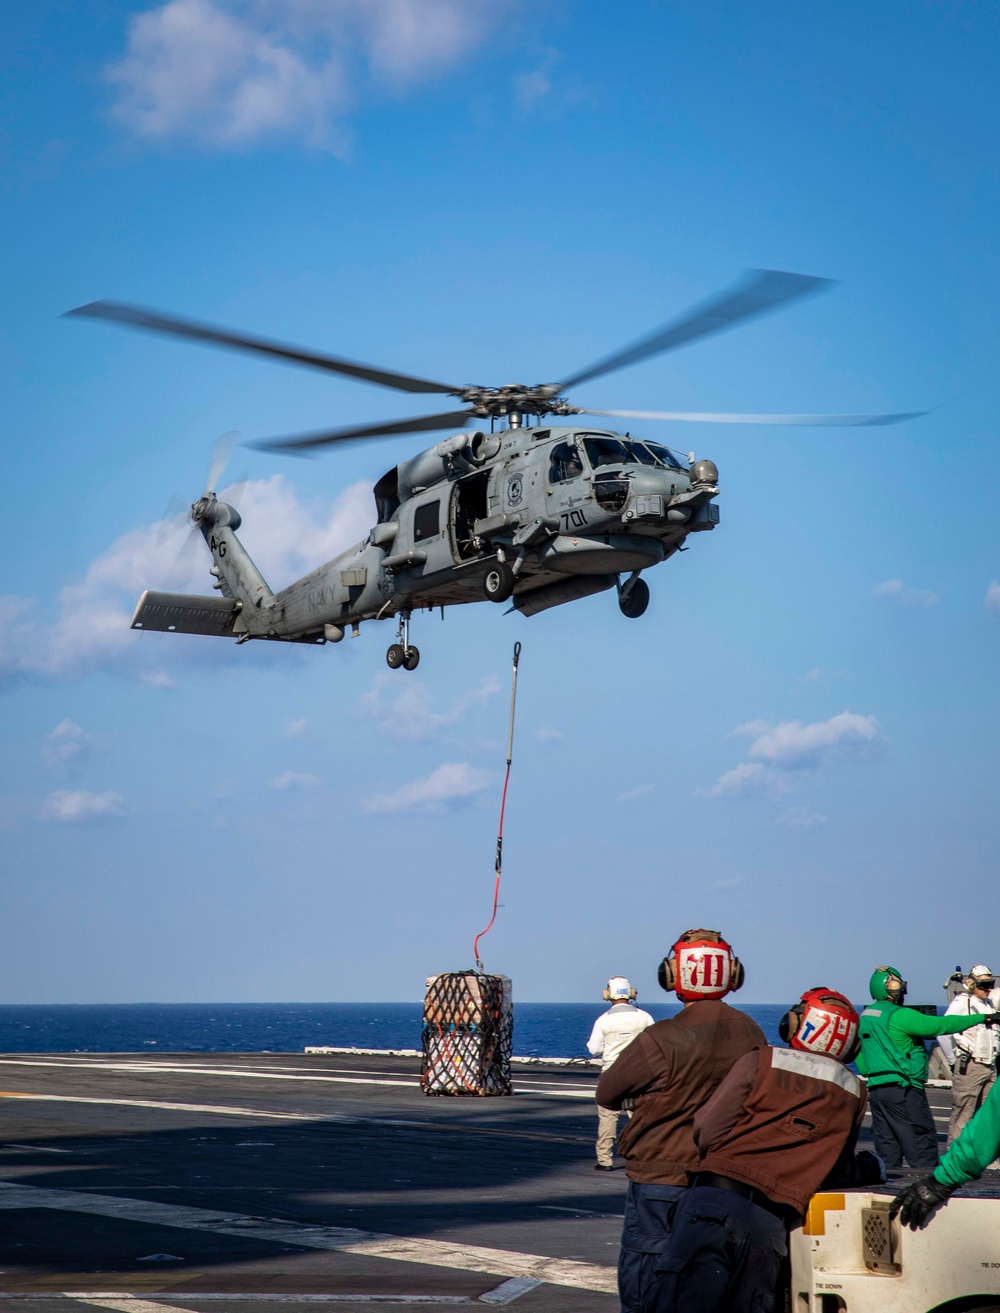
{"x": 531, "y": 510}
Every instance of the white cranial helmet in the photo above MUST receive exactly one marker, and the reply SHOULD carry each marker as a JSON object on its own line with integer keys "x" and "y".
{"x": 980, "y": 975}
{"x": 618, "y": 990}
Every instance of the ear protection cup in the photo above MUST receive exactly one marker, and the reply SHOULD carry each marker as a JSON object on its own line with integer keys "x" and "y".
{"x": 633, "y": 994}
{"x": 606, "y": 996}
{"x": 666, "y": 974}
{"x": 739, "y": 975}
{"x": 789, "y": 1023}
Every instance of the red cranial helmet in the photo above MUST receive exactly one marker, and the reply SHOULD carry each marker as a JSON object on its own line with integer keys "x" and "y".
{"x": 701, "y": 965}
{"x": 822, "y": 1022}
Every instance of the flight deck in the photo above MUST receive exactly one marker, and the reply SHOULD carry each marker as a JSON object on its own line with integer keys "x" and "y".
{"x": 208, "y": 1182}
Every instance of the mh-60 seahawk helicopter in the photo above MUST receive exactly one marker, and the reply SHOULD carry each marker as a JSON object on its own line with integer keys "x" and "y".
{"x": 538, "y": 512}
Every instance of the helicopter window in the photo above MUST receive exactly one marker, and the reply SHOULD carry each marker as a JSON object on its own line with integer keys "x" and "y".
{"x": 565, "y": 463}
{"x": 427, "y": 521}
{"x": 642, "y": 454}
{"x": 606, "y": 451}
{"x": 664, "y": 455}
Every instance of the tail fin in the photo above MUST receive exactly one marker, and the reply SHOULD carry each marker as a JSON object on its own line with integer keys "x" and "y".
{"x": 237, "y": 575}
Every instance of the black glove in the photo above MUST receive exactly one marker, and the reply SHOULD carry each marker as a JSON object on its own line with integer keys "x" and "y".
{"x": 991, "y": 1019}
{"x": 916, "y": 1203}
{"x": 869, "y": 1167}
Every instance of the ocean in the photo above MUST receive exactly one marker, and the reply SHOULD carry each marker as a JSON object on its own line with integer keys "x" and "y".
{"x": 550, "y": 1030}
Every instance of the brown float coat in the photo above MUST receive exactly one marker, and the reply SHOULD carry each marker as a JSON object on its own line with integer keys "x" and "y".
{"x": 670, "y": 1070}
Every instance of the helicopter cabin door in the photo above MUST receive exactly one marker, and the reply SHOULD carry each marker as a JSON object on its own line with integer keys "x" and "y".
{"x": 422, "y": 522}
{"x": 566, "y": 489}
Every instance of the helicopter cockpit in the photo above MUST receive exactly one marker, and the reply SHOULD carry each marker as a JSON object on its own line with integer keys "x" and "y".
{"x": 603, "y": 450}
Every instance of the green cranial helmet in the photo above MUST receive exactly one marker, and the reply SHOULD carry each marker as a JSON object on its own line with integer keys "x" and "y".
{"x": 887, "y": 985}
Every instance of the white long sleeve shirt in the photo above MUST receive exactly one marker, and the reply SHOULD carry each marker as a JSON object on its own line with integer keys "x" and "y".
{"x": 614, "y": 1030}
{"x": 981, "y": 1042}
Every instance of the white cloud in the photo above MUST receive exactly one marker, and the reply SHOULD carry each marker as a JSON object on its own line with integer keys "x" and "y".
{"x": 641, "y": 791}
{"x": 748, "y": 779}
{"x": 803, "y": 818}
{"x": 296, "y": 728}
{"x": 228, "y": 73}
{"x": 78, "y": 806}
{"x": 410, "y": 715}
{"x": 992, "y": 599}
{"x": 448, "y": 786}
{"x": 792, "y": 746}
{"x": 157, "y": 679}
{"x": 67, "y": 745}
{"x": 547, "y": 734}
{"x": 291, "y": 779}
{"x": 286, "y": 536}
{"x": 908, "y": 596}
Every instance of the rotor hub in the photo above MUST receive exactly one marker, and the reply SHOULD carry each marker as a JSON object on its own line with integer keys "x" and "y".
{"x": 516, "y": 398}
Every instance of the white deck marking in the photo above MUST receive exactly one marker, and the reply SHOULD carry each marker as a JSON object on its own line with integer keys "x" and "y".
{"x": 370, "y": 1244}
{"x": 128, "y": 1303}
{"x": 124, "y": 1303}
{"x": 176, "y": 1107}
{"x": 510, "y": 1290}
{"x": 341, "y": 1119}
{"x": 248, "y": 1073}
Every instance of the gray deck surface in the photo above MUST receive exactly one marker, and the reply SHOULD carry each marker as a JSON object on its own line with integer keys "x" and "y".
{"x": 287, "y": 1180}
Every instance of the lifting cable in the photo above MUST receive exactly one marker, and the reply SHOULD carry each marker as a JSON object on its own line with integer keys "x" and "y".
{"x": 503, "y": 805}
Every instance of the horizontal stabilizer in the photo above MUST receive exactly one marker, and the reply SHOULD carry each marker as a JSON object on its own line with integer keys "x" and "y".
{"x": 182, "y": 613}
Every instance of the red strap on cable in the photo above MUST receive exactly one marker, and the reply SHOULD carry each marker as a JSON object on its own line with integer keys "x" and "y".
{"x": 503, "y": 808}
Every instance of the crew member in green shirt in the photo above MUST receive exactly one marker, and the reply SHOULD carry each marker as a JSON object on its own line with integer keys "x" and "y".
{"x": 968, "y": 1158}
{"x": 894, "y": 1060}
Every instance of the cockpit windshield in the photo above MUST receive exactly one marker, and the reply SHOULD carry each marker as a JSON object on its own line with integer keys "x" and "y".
{"x": 607, "y": 451}
{"x": 625, "y": 451}
{"x": 663, "y": 455}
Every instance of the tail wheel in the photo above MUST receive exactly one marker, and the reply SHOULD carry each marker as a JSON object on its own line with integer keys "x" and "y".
{"x": 396, "y": 656}
{"x": 411, "y": 658}
{"x": 499, "y": 582}
{"x": 633, "y": 604}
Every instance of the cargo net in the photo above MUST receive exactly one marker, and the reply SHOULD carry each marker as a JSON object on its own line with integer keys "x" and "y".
{"x": 468, "y": 1034}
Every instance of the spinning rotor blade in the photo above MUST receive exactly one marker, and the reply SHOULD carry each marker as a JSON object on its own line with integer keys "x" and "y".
{"x": 708, "y": 417}
{"x": 305, "y": 443}
{"x": 222, "y": 450}
{"x": 155, "y": 322}
{"x": 761, "y": 290}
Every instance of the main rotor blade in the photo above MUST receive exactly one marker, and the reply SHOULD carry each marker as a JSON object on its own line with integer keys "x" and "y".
{"x": 761, "y": 290}
{"x": 709, "y": 417}
{"x": 154, "y": 321}
{"x": 306, "y": 442}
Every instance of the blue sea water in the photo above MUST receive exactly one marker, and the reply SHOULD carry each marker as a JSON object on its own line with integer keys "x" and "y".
{"x": 554, "y": 1030}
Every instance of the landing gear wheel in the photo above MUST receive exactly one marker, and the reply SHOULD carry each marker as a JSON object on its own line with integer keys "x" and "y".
{"x": 499, "y": 582}
{"x": 411, "y": 658}
{"x": 633, "y": 604}
{"x": 396, "y": 656}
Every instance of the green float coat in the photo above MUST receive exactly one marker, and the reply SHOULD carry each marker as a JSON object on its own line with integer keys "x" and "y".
{"x": 892, "y": 1048}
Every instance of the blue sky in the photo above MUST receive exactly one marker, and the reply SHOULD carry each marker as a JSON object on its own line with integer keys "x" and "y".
{"x": 797, "y": 743}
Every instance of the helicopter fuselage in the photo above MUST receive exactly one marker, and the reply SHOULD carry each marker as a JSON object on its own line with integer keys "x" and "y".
{"x": 565, "y": 511}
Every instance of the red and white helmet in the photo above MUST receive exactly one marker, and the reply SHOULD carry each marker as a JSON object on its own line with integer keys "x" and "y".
{"x": 701, "y": 965}
{"x": 822, "y": 1022}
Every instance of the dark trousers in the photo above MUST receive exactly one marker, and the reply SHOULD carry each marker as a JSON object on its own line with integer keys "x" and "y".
{"x": 649, "y": 1212}
{"x": 724, "y": 1256}
{"x": 903, "y": 1127}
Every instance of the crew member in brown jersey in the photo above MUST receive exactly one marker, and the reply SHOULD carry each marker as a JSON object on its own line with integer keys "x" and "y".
{"x": 783, "y": 1123}
{"x": 667, "y": 1073}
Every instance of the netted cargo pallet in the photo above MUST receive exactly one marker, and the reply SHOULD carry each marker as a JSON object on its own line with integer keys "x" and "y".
{"x": 468, "y": 1034}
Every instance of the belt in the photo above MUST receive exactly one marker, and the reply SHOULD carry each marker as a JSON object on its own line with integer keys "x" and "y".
{"x": 747, "y": 1191}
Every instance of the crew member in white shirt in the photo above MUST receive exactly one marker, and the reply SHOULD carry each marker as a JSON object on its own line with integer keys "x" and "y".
{"x": 974, "y": 1064}
{"x": 613, "y": 1031}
